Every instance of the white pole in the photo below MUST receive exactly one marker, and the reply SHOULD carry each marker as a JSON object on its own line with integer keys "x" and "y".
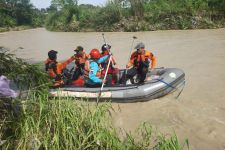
{"x": 99, "y": 95}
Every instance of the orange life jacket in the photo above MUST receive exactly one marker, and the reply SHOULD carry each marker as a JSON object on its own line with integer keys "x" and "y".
{"x": 79, "y": 82}
{"x": 136, "y": 58}
{"x": 54, "y": 70}
{"x": 51, "y": 67}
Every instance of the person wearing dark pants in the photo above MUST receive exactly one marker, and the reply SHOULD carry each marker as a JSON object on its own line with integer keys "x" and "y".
{"x": 139, "y": 63}
{"x": 80, "y": 58}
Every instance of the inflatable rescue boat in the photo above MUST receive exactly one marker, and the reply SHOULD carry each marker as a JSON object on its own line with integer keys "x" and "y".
{"x": 158, "y": 83}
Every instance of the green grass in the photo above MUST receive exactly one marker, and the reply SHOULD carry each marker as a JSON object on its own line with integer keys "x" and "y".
{"x": 44, "y": 123}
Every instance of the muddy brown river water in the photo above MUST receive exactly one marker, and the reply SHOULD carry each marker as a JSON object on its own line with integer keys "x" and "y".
{"x": 198, "y": 114}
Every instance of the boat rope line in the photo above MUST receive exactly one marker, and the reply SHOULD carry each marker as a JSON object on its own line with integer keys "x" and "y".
{"x": 169, "y": 85}
{"x": 183, "y": 85}
{"x": 175, "y": 88}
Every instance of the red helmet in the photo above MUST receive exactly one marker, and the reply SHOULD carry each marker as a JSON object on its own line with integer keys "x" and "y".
{"x": 95, "y": 54}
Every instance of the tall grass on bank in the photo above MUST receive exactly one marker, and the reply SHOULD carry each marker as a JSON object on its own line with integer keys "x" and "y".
{"x": 68, "y": 124}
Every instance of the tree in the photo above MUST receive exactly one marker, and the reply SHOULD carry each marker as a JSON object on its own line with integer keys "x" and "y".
{"x": 217, "y": 5}
{"x": 136, "y": 7}
{"x": 19, "y": 12}
{"x": 23, "y": 12}
{"x": 59, "y": 4}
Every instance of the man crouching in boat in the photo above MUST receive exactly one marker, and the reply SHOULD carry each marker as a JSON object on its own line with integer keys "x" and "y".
{"x": 80, "y": 59}
{"x": 55, "y": 69}
{"x": 139, "y": 61}
{"x": 92, "y": 69}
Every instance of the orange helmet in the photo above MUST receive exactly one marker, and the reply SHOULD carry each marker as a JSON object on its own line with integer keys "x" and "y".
{"x": 95, "y": 54}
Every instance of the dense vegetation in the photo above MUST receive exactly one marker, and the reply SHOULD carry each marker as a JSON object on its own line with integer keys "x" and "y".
{"x": 24, "y": 75}
{"x": 116, "y": 15}
{"x": 136, "y": 15}
{"x": 14, "y": 13}
{"x": 38, "y": 121}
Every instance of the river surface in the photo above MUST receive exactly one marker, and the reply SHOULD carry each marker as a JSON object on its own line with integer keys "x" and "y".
{"x": 198, "y": 114}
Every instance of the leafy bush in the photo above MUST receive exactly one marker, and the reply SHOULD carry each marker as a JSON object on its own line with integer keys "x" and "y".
{"x": 109, "y": 14}
{"x": 24, "y": 75}
{"x": 7, "y": 21}
{"x": 64, "y": 20}
{"x": 19, "y": 13}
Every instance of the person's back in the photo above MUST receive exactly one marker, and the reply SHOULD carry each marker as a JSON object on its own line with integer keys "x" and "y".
{"x": 93, "y": 71}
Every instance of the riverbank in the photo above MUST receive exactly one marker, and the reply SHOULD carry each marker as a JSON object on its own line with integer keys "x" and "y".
{"x": 133, "y": 16}
{"x": 18, "y": 28}
{"x": 180, "y": 22}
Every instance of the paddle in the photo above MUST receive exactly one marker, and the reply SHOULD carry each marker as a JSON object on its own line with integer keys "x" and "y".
{"x": 100, "y": 92}
{"x": 134, "y": 37}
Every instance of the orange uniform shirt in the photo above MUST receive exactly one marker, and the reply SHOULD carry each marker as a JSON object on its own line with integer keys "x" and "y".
{"x": 59, "y": 66}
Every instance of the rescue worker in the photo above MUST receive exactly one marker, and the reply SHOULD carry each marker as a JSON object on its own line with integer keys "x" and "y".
{"x": 140, "y": 62}
{"x": 114, "y": 72}
{"x": 55, "y": 69}
{"x": 92, "y": 69}
{"x": 80, "y": 59}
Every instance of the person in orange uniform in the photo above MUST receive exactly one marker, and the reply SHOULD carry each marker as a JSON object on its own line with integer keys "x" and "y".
{"x": 140, "y": 62}
{"x": 114, "y": 72}
{"x": 55, "y": 69}
{"x": 80, "y": 58}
